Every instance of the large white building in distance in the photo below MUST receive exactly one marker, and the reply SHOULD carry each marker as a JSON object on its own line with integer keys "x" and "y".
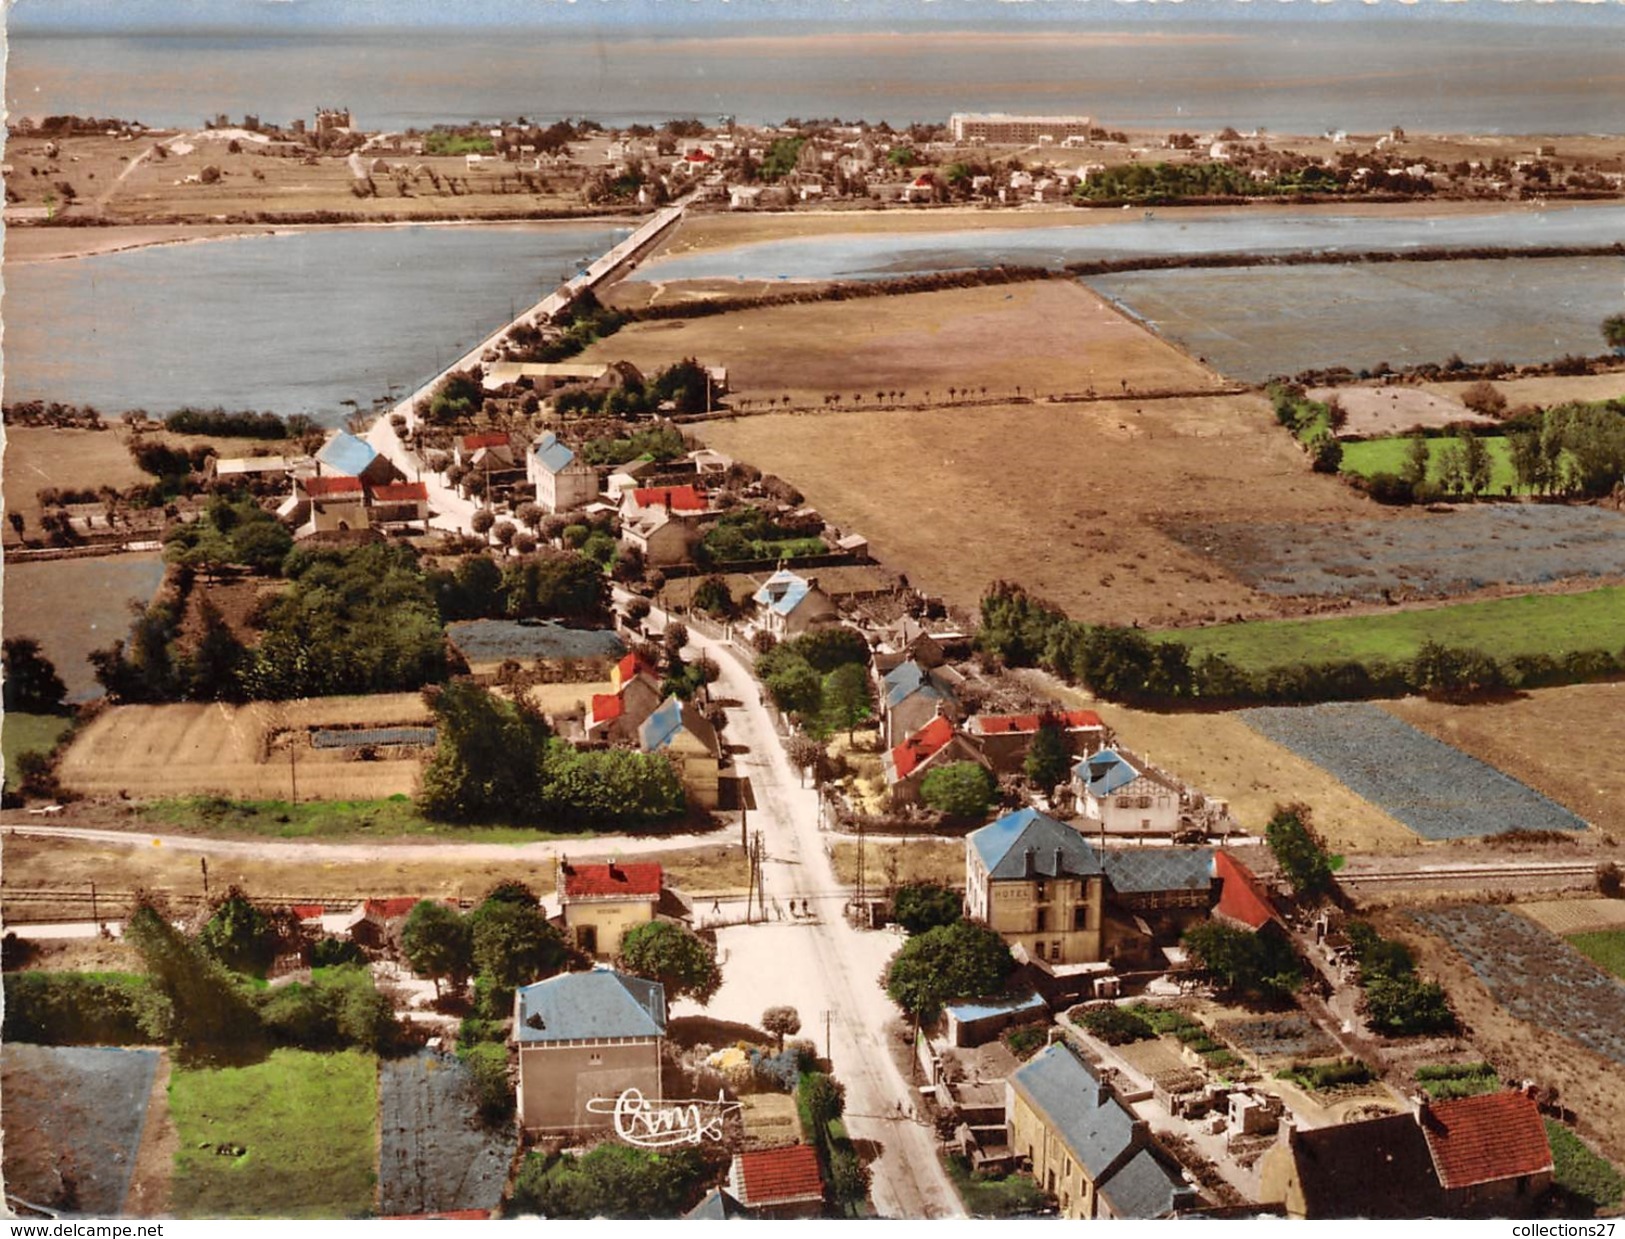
{"x": 1004, "y": 129}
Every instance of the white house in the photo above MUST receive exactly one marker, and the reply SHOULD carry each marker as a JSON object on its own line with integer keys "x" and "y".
{"x": 1121, "y": 794}
{"x": 563, "y": 481}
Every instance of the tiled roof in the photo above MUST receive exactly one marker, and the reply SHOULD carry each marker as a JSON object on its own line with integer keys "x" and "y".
{"x": 580, "y": 1006}
{"x": 1379, "y": 1168}
{"x": 782, "y": 592}
{"x": 321, "y": 488}
{"x": 1004, "y": 844}
{"x": 390, "y": 909}
{"x": 1095, "y": 1127}
{"x": 473, "y": 443}
{"x": 401, "y": 492}
{"x": 777, "y": 1176}
{"x": 608, "y": 880}
{"x": 607, "y": 706}
{"x": 677, "y": 498}
{"x": 920, "y": 746}
{"x": 1136, "y": 871}
{"x": 1487, "y": 1138}
{"x": 344, "y": 453}
{"x": 1143, "y": 1188}
{"x": 633, "y": 663}
{"x": 1241, "y": 898}
{"x": 552, "y": 454}
{"x": 1002, "y": 724}
{"x": 308, "y": 911}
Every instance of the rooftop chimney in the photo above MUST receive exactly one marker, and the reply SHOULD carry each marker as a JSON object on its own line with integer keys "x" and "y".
{"x": 1027, "y": 866}
{"x": 1058, "y": 870}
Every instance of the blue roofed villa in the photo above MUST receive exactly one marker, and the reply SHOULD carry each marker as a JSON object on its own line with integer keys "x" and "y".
{"x": 563, "y": 481}
{"x": 788, "y": 605}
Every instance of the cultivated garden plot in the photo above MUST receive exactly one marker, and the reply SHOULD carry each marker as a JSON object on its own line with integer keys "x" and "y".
{"x": 434, "y": 1157}
{"x": 1430, "y": 555}
{"x": 74, "y": 1116}
{"x": 1535, "y": 976}
{"x": 1293, "y": 1036}
{"x": 1437, "y": 791}
{"x": 488, "y": 642}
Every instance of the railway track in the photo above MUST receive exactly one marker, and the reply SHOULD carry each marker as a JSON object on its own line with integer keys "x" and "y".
{"x": 1474, "y": 873}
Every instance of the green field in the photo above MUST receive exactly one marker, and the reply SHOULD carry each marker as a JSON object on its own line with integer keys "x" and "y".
{"x": 26, "y": 733}
{"x": 1580, "y": 1172}
{"x": 326, "y": 819}
{"x": 307, "y": 1124}
{"x": 1606, "y": 949}
{"x": 1388, "y": 456}
{"x": 1552, "y": 624}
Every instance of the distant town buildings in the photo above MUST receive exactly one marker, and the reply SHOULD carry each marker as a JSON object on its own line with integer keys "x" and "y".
{"x": 1002, "y": 128}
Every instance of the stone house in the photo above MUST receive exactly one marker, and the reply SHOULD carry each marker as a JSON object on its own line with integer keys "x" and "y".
{"x": 585, "y": 1037}
{"x": 563, "y": 481}
{"x": 1039, "y": 885}
{"x": 1120, "y": 794}
{"x": 788, "y": 605}
{"x": 686, "y": 736}
{"x": 599, "y": 903}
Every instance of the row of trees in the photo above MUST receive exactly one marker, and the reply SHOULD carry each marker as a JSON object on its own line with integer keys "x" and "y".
{"x": 496, "y": 760}
{"x": 549, "y": 584}
{"x": 1124, "y": 664}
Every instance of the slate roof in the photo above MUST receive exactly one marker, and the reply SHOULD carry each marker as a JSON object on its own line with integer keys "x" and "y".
{"x": 1096, "y": 1129}
{"x": 321, "y": 488}
{"x": 921, "y": 746}
{"x": 906, "y": 679}
{"x": 344, "y": 453}
{"x": 670, "y": 717}
{"x": 1487, "y": 1138}
{"x": 782, "y": 592}
{"x": 610, "y": 880}
{"x": 578, "y": 1006}
{"x": 1003, "y": 845}
{"x": 1379, "y": 1168}
{"x": 1104, "y": 772}
{"x": 552, "y": 454}
{"x": 718, "y": 1206}
{"x": 1137, "y": 870}
{"x": 1144, "y": 1188}
{"x": 781, "y": 1176}
{"x": 1241, "y": 898}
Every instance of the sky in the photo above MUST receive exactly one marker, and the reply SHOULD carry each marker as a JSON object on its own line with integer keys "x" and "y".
{"x": 117, "y": 16}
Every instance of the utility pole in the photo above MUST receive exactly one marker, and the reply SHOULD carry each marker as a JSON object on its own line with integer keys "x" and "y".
{"x": 859, "y": 897}
{"x": 293, "y": 771}
{"x": 829, "y": 1050}
{"x": 204, "y": 862}
{"x": 94, "y": 915}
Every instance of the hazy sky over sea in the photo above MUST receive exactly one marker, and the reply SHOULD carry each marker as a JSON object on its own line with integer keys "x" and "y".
{"x": 271, "y": 15}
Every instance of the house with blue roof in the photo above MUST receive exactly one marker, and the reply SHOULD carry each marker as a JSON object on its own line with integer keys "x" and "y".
{"x": 1121, "y": 794}
{"x": 911, "y": 695}
{"x": 1040, "y": 885}
{"x": 563, "y": 480}
{"x": 584, "y": 1038}
{"x": 788, "y": 605}
{"x": 346, "y": 456}
{"x": 686, "y": 736}
{"x": 1061, "y": 900}
{"x": 1084, "y": 1147}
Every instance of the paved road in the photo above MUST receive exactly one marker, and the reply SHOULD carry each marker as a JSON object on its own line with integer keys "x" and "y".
{"x": 822, "y": 961}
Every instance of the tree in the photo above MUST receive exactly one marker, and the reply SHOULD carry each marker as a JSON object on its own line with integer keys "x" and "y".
{"x": 1243, "y": 961}
{"x": 713, "y": 596}
{"x": 488, "y": 757}
{"x": 805, "y": 754}
{"x": 782, "y": 1022}
{"x": 1453, "y": 468}
{"x": 504, "y": 532}
{"x": 31, "y": 684}
{"x": 530, "y": 515}
{"x": 1613, "y": 331}
{"x": 681, "y": 961}
{"x": 795, "y": 686}
{"x": 1484, "y": 397}
{"x": 1325, "y": 453}
{"x": 962, "y": 960}
{"x": 612, "y": 1181}
{"x": 846, "y": 697}
{"x": 482, "y": 521}
{"x": 1297, "y": 850}
{"x": 210, "y": 1011}
{"x": 218, "y": 660}
{"x": 437, "y": 944}
{"x": 1476, "y": 463}
{"x": 1415, "y": 469}
{"x": 923, "y": 906}
{"x": 1048, "y": 762}
{"x": 512, "y": 944}
{"x": 959, "y": 789}
{"x": 239, "y": 934}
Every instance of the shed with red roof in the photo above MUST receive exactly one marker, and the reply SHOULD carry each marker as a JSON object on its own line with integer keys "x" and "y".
{"x": 1490, "y": 1152}
{"x": 778, "y": 1183}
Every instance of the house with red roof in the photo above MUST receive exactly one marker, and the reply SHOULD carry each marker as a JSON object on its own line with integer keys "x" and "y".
{"x": 600, "y": 903}
{"x": 378, "y": 922}
{"x": 492, "y": 450}
{"x": 933, "y": 746}
{"x": 399, "y": 503}
{"x": 778, "y": 1183}
{"x": 1006, "y": 738}
{"x": 628, "y": 668}
{"x": 1243, "y": 900}
{"x": 615, "y": 717}
{"x": 1490, "y": 1152}
{"x": 642, "y": 501}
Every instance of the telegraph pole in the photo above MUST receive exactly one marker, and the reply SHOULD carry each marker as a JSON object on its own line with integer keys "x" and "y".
{"x": 860, "y": 895}
{"x": 204, "y": 862}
